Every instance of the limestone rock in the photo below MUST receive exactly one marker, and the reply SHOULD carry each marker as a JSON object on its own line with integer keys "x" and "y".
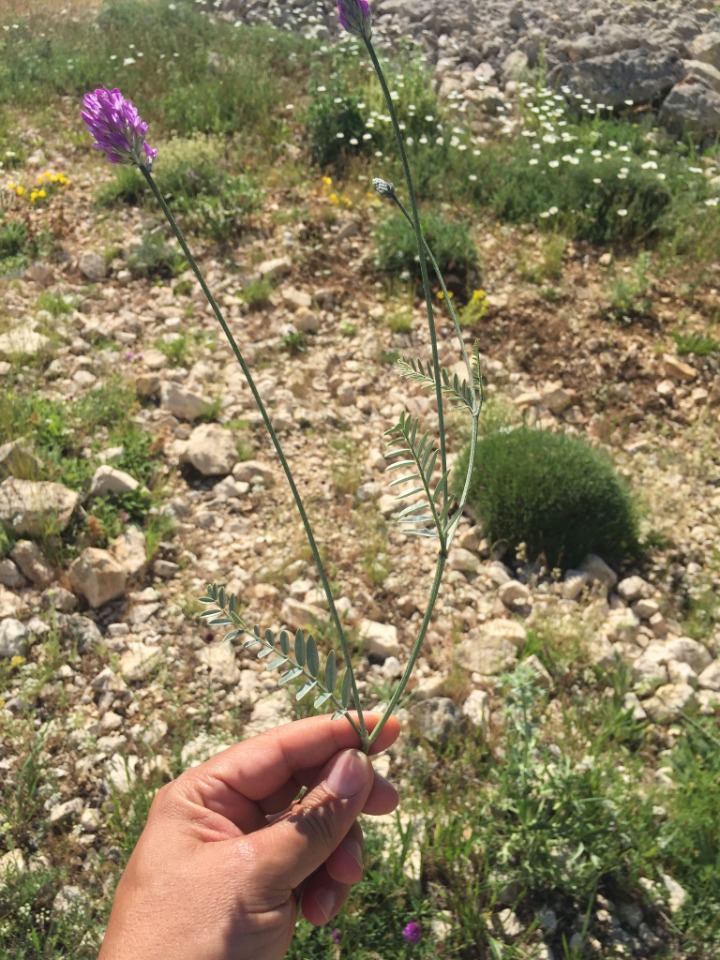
{"x": 14, "y": 638}
{"x": 477, "y": 709}
{"x": 34, "y": 508}
{"x": 709, "y": 679}
{"x": 17, "y": 460}
{"x": 221, "y": 660}
{"x": 109, "y": 480}
{"x": 379, "y": 639}
{"x": 139, "y": 661}
{"x": 67, "y": 812}
{"x": 254, "y": 471}
{"x": 669, "y": 701}
{"x": 689, "y": 651}
{"x": 130, "y": 551}
{"x": 93, "y": 266}
{"x": 435, "y": 718}
{"x": 22, "y": 341}
{"x": 10, "y": 575}
{"x": 97, "y": 576}
{"x": 183, "y": 403}
{"x": 270, "y": 712}
{"x": 488, "y": 656}
{"x": 211, "y": 450}
{"x": 31, "y": 561}
{"x": 464, "y": 560}
{"x": 296, "y": 614}
{"x": 596, "y": 568}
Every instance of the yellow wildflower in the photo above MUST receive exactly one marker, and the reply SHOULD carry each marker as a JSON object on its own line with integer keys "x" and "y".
{"x": 19, "y": 191}
{"x": 17, "y": 661}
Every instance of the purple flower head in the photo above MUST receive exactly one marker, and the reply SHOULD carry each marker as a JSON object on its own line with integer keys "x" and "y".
{"x": 354, "y": 16}
{"x": 335, "y": 936}
{"x": 117, "y": 129}
{"x": 413, "y": 932}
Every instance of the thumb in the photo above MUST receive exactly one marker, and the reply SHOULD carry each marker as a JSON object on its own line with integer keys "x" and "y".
{"x": 301, "y": 840}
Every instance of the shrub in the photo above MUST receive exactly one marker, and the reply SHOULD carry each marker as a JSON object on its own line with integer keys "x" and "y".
{"x": 553, "y": 493}
{"x": 450, "y": 242}
{"x": 154, "y": 258}
{"x": 335, "y": 127}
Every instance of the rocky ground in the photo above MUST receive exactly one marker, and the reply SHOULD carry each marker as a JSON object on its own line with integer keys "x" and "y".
{"x": 133, "y": 666}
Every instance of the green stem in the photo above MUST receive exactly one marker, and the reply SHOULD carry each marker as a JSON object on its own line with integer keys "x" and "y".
{"x": 421, "y": 251}
{"x": 400, "y": 689}
{"x": 446, "y": 295}
{"x": 361, "y": 729}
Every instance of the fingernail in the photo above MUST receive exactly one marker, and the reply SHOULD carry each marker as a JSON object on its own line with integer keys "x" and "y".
{"x": 353, "y": 848}
{"x": 348, "y": 775}
{"x": 325, "y": 899}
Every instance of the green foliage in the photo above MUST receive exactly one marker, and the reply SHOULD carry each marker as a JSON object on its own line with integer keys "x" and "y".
{"x": 697, "y": 344}
{"x": 256, "y": 293}
{"x": 555, "y": 494}
{"x": 335, "y": 126}
{"x": 450, "y": 242}
{"x": 56, "y": 304}
{"x": 196, "y": 74}
{"x": 629, "y": 298}
{"x": 153, "y": 258}
{"x": 690, "y": 838}
{"x": 300, "y": 661}
{"x": 14, "y": 239}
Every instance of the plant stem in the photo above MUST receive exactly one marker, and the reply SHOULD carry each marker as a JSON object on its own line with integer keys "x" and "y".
{"x": 415, "y": 653}
{"x": 360, "y": 727}
{"x": 421, "y": 252}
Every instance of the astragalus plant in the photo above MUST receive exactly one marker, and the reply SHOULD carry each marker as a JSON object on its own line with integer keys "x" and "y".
{"x": 419, "y": 460}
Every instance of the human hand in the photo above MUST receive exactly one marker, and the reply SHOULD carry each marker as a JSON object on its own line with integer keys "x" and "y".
{"x": 225, "y": 855}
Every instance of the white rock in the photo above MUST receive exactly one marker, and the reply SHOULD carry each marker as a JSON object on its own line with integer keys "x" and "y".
{"x": 679, "y": 672}
{"x": 33, "y": 508}
{"x": 574, "y": 582}
{"x": 120, "y": 773}
{"x": 709, "y": 679}
{"x": 221, "y": 660}
{"x": 600, "y": 651}
{"x": 11, "y": 863}
{"x": 33, "y": 564}
{"x": 10, "y": 576}
{"x": 651, "y": 666}
{"x": 669, "y": 701}
{"x": 463, "y": 560}
{"x": 183, "y": 403}
{"x": 296, "y": 614}
{"x": 270, "y": 712}
{"x": 66, "y": 812}
{"x": 677, "y": 369}
{"x": 211, "y": 450}
{"x": 379, "y": 639}
{"x": 97, "y": 576}
{"x": 477, "y": 709}
{"x": 18, "y": 460}
{"x": 23, "y": 340}
{"x": 596, "y": 568}
{"x": 514, "y": 594}
{"x": 202, "y": 748}
{"x": 14, "y": 637}
{"x": 486, "y": 655}
{"x": 109, "y": 480}
{"x": 139, "y": 661}
{"x": 677, "y": 895}
{"x": 633, "y": 588}
{"x": 252, "y": 471}
{"x": 130, "y": 551}
{"x": 690, "y": 651}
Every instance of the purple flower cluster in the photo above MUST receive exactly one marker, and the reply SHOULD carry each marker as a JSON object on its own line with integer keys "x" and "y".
{"x": 354, "y": 16}
{"x": 117, "y": 129}
{"x": 413, "y": 932}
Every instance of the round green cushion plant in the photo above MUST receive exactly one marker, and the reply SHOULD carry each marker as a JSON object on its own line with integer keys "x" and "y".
{"x": 556, "y": 494}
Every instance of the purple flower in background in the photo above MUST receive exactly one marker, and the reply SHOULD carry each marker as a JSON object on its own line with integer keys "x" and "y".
{"x": 335, "y": 936}
{"x": 117, "y": 129}
{"x": 413, "y": 932}
{"x": 354, "y": 16}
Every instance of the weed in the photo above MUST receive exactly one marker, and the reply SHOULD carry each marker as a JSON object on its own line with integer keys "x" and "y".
{"x": 294, "y": 342}
{"x": 629, "y": 295}
{"x": 56, "y": 304}
{"x": 450, "y": 242}
{"x": 256, "y": 293}
{"x": 697, "y": 344}
{"x": 153, "y": 258}
{"x": 400, "y": 321}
